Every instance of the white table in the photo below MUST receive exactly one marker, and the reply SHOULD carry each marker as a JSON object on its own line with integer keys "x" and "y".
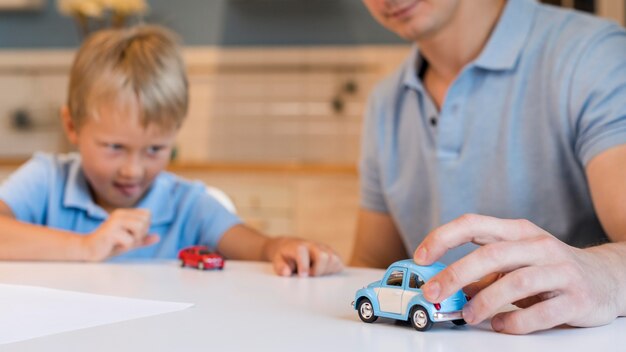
{"x": 246, "y": 307}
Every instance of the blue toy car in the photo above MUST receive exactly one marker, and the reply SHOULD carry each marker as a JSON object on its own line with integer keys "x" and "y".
{"x": 399, "y": 296}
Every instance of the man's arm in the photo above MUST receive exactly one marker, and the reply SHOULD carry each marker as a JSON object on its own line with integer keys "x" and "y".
{"x": 606, "y": 174}
{"x": 554, "y": 283}
{"x": 378, "y": 241}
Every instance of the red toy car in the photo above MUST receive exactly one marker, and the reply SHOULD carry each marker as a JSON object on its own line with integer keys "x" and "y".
{"x": 200, "y": 257}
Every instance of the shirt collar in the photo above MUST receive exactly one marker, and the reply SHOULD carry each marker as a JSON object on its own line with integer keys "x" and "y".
{"x": 157, "y": 200}
{"x": 503, "y": 47}
{"x": 509, "y": 36}
{"x": 77, "y": 194}
{"x": 413, "y": 65}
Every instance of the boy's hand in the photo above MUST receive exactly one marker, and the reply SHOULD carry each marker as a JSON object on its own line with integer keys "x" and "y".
{"x": 125, "y": 229}
{"x": 305, "y": 258}
{"x": 522, "y": 264}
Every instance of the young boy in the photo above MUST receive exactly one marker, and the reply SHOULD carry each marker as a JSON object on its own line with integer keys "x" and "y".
{"x": 113, "y": 201}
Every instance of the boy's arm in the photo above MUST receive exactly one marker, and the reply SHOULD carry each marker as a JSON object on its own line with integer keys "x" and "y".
{"x": 288, "y": 255}
{"x": 377, "y": 242}
{"x": 124, "y": 230}
{"x": 242, "y": 242}
{"x": 23, "y": 241}
{"x": 5, "y": 210}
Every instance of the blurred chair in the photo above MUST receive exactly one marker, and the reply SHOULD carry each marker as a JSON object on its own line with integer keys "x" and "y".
{"x": 222, "y": 198}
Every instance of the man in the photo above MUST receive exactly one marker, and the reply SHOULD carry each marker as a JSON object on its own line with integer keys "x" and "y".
{"x": 510, "y": 110}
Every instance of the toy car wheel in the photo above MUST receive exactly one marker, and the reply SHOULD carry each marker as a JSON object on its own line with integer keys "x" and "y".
{"x": 420, "y": 319}
{"x": 366, "y": 311}
{"x": 459, "y": 322}
{"x": 182, "y": 263}
{"x": 200, "y": 265}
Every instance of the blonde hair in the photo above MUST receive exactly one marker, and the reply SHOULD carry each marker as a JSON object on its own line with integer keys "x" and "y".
{"x": 142, "y": 63}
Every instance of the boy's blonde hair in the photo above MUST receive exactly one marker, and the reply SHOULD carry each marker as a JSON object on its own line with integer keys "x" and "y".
{"x": 141, "y": 63}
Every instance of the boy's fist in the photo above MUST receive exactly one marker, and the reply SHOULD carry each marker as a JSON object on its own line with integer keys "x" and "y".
{"x": 125, "y": 229}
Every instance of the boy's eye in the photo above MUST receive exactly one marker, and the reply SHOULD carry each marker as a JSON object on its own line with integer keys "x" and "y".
{"x": 113, "y": 146}
{"x": 155, "y": 149}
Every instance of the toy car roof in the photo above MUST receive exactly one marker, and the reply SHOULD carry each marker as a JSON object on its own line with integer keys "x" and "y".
{"x": 426, "y": 271}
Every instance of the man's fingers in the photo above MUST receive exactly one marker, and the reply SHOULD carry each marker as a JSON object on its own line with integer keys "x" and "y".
{"x": 541, "y": 316}
{"x": 514, "y": 286}
{"x": 477, "y": 229}
{"x": 492, "y": 258}
{"x": 472, "y": 289}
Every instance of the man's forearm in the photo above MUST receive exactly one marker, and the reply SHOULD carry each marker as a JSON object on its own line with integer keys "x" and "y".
{"x": 22, "y": 241}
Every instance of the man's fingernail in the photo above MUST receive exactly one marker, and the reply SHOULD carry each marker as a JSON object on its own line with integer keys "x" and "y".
{"x": 497, "y": 324}
{"x": 303, "y": 274}
{"x": 286, "y": 272}
{"x": 420, "y": 256}
{"x": 431, "y": 290}
{"x": 468, "y": 315}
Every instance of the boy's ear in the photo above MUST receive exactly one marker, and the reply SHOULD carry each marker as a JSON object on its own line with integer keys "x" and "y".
{"x": 68, "y": 125}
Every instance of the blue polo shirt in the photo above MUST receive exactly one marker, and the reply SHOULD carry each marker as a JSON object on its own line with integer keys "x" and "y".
{"x": 512, "y": 139}
{"x": 51, "y": 190}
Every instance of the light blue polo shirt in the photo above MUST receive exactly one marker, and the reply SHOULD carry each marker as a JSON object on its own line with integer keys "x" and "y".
{"x": 517, "y": 128}
{"x": 51, "y": 190}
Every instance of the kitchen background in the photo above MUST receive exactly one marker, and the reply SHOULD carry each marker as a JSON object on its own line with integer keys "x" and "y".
{"x": 278, "y": 89}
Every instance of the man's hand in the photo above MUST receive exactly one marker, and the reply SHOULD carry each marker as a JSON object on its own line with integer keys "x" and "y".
{"x": 125, "y": 229}
{"x": 292, "y": 255}
{"x": 522, "y": 264}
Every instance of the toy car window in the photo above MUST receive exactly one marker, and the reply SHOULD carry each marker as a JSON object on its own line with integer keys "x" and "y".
{"x": 204, "y": 252}
{"x": 395, "y": 278}
{"x": 415, "y": 281}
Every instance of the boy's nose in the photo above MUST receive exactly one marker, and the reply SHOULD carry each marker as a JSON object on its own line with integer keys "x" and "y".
{"x": 132, "y": 169}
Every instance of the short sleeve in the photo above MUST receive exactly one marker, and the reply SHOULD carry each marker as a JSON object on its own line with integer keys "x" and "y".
{"x": 214, "y": 219}
{"x": 598, "y": 99}
{"x": 372, "y": 196}
{"x": 26, "y": 190}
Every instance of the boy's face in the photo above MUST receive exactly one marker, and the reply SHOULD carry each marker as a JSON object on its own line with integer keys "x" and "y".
{"x": 120, "y": 158}
{"x": 413, "y": 19}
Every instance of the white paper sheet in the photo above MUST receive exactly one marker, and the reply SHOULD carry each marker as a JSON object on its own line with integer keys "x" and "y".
{"x": 27, "y": 312}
